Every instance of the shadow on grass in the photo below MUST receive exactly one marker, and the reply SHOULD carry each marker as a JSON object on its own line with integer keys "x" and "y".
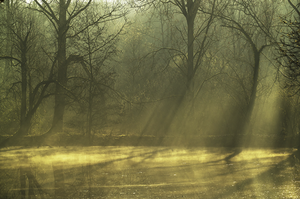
{"x": 273, "y": 175}
{"x": 146, "y": 172}
{"x": 76, "y": 177}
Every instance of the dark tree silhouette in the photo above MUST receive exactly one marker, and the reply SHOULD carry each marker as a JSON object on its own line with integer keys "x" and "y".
{"x": 289, "y": 54}
{"x": 61, "y": 22}
{"x": 289, "y": 50}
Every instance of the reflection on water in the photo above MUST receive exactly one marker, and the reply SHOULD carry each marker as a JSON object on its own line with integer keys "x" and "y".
{"x": 147, "y": 172}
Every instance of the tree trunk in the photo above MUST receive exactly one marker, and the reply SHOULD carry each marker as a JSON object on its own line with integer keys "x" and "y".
{"x": 8, "y": 40}
{"x": 24, "y": 83}
{"x": 190, "y": 61}
{"x": 57, "y": 123}
{"x": 254, "y": 84}
{"x": 24, "y": 119}
{"x": 245, "y": 122}
{"x": 190, "y": 18}
{"x": 89, "y": 115}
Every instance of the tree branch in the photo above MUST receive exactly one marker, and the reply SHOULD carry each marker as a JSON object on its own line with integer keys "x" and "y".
{"x": 78, "y": 12}
{"x": 9, "y": 57}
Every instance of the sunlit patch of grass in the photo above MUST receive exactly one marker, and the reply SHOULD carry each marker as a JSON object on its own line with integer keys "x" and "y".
{"x": 162, "y": 172}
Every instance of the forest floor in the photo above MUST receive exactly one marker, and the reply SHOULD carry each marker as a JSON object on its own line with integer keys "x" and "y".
{"x": 223, "y": 140}
{"x": 151, "y": 172}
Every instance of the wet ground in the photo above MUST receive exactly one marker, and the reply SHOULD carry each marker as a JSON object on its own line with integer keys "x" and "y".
{"x": 148, "y": 172}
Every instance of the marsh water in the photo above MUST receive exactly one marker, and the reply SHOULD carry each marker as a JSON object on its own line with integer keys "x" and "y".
{"x": 148, "y": 172}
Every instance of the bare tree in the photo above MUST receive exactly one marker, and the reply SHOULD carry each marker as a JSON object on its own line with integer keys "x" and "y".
{"x": 34, "y": 80}
{"x": 288, "y": 59}
{"x": 96, "y": 78}
{"x": 64, "y": 22}
{"x": 25, "y": 38}
{"x": 199, "y": 19}
{"x": 289, "y": 49}
{"x": 61, "y": 19}
{"x": 254, "y": 21}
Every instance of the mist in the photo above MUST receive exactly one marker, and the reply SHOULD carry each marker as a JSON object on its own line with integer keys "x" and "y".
{"x": 149, "y": 99}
